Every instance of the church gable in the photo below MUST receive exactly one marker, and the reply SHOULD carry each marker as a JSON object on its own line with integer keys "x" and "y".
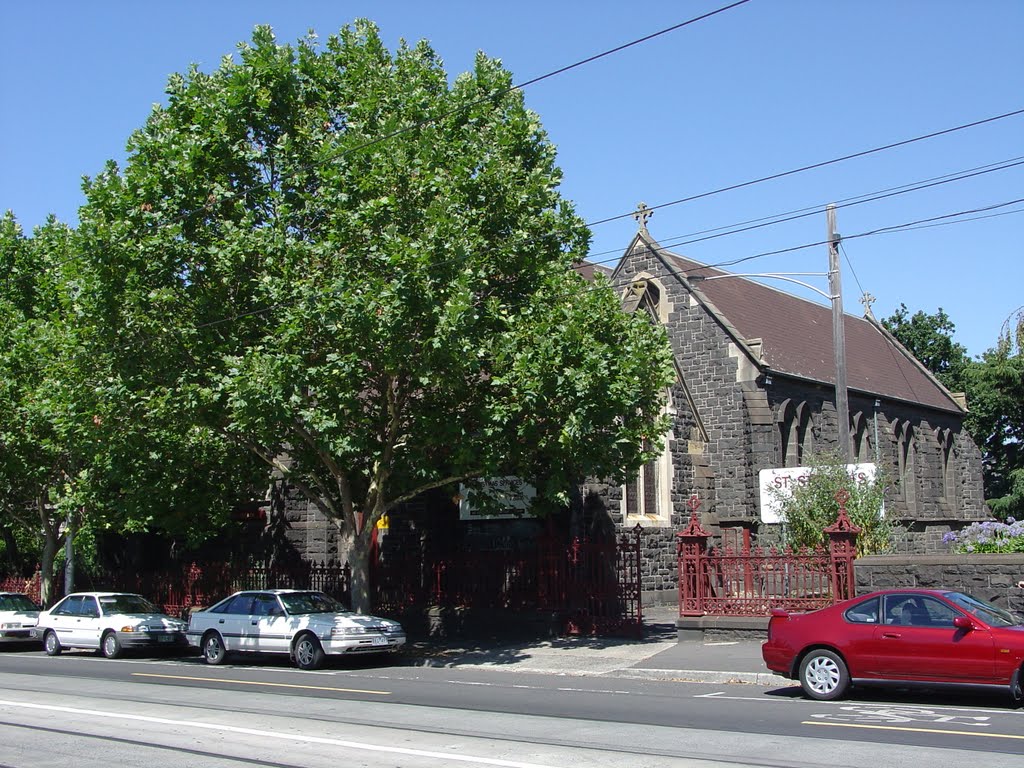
{"x": 755, "y": 390}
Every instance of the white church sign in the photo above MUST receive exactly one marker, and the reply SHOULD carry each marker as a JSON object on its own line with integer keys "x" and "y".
{"x": 778, "y": 483}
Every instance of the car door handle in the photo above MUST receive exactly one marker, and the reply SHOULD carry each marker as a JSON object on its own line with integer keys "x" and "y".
{"x": 891, "y": 635}
{"x": 220, "y": 621}
{"x": 254, "y": 622}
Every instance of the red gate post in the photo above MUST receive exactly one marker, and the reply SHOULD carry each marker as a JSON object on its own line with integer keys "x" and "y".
{"x": 691, "y": 548}
{"x": 842, "y": 545}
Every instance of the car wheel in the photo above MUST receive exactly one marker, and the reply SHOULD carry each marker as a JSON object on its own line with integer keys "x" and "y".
{"x": 823, "y": 675}
{"x": 1017, "y": 687}
{"x": 213, "y": 648}
{"x": 309, "y": 654}
{"x": 51, "y": 643}
{"x": 110, "y": 645}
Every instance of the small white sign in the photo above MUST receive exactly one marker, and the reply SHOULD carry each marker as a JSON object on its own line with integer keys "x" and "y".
{"x": 786, "y": 479}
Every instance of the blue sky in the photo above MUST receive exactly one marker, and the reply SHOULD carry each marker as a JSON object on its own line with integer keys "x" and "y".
{"x": 769, "y": 86}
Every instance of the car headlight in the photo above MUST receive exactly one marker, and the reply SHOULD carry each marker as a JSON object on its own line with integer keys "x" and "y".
{"x": 128, "y": 628}
{"x": 347, "y": 631}
{"x": 10, "y": 625}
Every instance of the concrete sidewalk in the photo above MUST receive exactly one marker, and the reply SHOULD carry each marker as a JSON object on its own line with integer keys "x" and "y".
{"x": 659, "y": 655}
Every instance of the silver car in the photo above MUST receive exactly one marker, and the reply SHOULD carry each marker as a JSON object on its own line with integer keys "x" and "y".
{"x": 110, "y": 622}
{"x": 306, "y": 625}
{"x": 18, "y": 617}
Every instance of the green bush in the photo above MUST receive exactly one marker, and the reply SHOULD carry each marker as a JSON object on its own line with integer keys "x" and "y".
{"x": 813, "y": 507}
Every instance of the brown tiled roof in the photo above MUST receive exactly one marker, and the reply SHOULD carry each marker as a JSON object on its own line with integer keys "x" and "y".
{"x": 796, "y": 337}
{"x": 589, "y": 269}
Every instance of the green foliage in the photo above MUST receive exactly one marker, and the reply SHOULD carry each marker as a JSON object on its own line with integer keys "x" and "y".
{"x": 994, "y": 385}
{"x": 996, "y": 398}
{"x": 362, "y": 274}
{"x": 930, "y": 339}
{"x": 813, "y": 507}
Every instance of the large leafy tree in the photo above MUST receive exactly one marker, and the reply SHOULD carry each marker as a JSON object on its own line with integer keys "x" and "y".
{"x": 996, "y": 392}
{"x": 76, "y": 455}
{"x": 49, "y": 444}
{"x": 363, "y": 275}
{"x": 929, "y": 337}
{"x": 994, "y": 385}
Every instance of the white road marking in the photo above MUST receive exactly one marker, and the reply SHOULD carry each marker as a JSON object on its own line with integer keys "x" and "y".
{"x": 366, "y": 747}
{"x": 721, "y": 697}
{"x": 916, "y": 730}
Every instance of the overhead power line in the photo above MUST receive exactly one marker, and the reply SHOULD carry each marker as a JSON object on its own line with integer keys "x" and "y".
{"x": 813, "y": 166}
{"x": 239, "y": 194}
{"x": 800, "y": 213}
{"x": 943, "y": 219}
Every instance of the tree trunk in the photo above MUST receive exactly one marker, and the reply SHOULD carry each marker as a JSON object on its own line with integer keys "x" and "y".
{"x": 51, "y": 544}
{"x": 359, "y": 563}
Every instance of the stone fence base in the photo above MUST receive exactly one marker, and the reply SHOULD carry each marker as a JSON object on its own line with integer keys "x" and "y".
{"x": 991, "y": 577}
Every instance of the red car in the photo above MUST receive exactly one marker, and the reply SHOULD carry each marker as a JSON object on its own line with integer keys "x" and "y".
{"x": 923, "y": 636}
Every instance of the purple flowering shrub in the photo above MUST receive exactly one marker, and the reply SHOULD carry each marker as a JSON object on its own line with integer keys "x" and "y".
{"x": 990, "y": 536}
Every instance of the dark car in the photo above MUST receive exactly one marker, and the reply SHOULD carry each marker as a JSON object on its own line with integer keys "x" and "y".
{"x": 913, "y": 636}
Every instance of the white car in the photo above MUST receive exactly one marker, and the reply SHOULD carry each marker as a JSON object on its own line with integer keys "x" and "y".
{"x": 18, "y": 617}
{"x": 110, "y": 622}
{"x": 306, "y": 625}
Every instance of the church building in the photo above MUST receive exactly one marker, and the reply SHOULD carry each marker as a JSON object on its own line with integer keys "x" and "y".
{"x": 755, "y": 390}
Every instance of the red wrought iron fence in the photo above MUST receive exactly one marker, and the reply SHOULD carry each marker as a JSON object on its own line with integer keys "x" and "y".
{"x": 593, "y": 585}
{"x": 27, "y": 585}
{"x": 201, "y": 585}
{"x": 751, "y": 581}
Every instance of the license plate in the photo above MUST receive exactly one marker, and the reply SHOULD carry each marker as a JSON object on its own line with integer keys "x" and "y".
{"x": 165, "y": 639}
{"x": 380, "y": 641}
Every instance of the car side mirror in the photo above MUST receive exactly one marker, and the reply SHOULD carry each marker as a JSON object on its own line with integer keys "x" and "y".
{"x": 962, "y": 622}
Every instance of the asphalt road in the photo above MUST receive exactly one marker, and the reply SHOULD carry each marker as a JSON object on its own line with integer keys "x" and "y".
{"x": 81, "y": 710}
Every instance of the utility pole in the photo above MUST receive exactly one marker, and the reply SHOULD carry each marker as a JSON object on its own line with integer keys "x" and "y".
{"x": 838, "y": 335}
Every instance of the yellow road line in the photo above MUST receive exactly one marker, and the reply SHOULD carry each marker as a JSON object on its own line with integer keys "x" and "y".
{"x": 915, "y": 730}
{"x": 258, "y": 683}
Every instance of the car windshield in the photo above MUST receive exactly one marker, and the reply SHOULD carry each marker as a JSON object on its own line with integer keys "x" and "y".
{"x": 990, "y": 614}
{"x": 127, "y": 604}
{"x": 311, "y": 602}
{"x": 16, "y": 603}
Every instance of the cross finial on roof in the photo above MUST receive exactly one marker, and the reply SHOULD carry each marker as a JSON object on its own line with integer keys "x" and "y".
{"x": 642, "y": 214}
{"x": 867, "y": 300}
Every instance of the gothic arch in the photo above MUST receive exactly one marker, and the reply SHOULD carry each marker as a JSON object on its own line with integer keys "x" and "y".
{"x": 859, "y": 437}
{"x": 648, "y": 292}
{"x": 795, "y": 433}
{"x": 947, "y": 462}
{"x": 906, "y": 461}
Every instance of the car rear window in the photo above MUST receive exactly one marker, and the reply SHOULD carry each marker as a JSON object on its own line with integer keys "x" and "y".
{"x": 863, "y": 613}
{"x": 126, "y": 604}
{"x": 16, "y": 603}
{"x": 311, "y": 602}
